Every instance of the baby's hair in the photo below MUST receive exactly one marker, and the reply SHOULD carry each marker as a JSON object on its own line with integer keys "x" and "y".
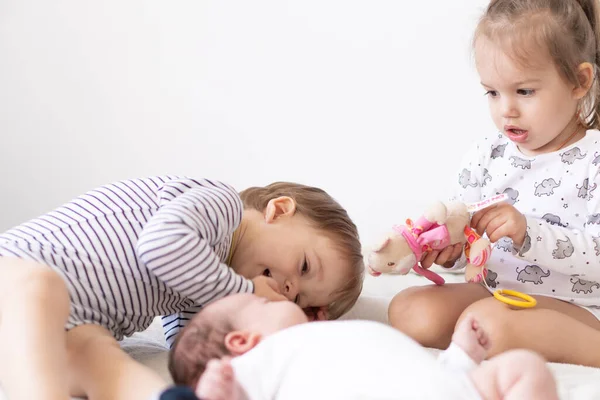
{"x": 329, "y": 217}
{"x": 198, "y": 343}
{"x": 568, "y": 30}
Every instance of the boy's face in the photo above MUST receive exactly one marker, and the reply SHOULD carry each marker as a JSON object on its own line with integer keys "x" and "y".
{"x": 284, "y": 245}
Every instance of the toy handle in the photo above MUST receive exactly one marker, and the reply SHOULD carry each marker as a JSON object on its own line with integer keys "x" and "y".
{"x": 432, "y": 276}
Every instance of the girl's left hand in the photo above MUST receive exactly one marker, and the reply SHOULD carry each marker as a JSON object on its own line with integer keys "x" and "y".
{"x": 501, "y": 220}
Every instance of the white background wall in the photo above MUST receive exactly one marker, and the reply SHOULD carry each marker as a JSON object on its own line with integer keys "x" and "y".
{"x": 373, "y": 100}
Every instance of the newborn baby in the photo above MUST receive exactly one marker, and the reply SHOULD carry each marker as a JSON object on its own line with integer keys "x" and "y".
{"x": 245, "y": 347}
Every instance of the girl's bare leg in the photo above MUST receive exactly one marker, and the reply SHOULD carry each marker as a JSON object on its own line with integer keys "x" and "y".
{"x": 557, "y": 330}
{"x": 429, "y": 314}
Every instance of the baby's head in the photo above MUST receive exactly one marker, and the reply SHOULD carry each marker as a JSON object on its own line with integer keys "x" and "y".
{"x": 230, "y": 326}
{"x": 301, "y": 237}
{"x": 538, "y": 60}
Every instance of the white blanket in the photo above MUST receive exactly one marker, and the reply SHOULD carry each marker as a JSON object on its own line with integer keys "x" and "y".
{"x": 574, "y": 382}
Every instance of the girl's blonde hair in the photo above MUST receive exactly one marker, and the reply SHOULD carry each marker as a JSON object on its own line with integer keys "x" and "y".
{"x": 567, "y": 30}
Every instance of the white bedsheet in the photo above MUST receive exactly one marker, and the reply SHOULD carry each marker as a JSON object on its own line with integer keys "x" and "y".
{"x": 574, "y": 382}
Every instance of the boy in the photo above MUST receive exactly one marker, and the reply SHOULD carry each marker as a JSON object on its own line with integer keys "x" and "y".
{"x": 104, "y": 265}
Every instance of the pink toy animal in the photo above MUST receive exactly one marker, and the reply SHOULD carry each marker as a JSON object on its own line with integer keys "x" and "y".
{"x": 440, "y": 226}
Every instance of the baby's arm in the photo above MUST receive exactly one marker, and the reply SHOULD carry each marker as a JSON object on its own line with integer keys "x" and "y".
{"x": 469, "y": 346}
{"x": 177, "y": 243}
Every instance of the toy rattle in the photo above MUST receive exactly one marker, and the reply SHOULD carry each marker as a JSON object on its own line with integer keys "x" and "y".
{"x": 440, "y": 226}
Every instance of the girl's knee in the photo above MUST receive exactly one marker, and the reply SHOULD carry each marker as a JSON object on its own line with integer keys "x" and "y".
{"x": 418, "y": 314}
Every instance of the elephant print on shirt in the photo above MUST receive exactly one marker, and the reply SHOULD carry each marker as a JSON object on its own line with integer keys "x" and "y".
{"x": 520, "y": 162}
{"x": 596, "y": 160}
{"x": 532, "y": 273}
{"x": 512, "y": 194}
{"x": 554, "y": 220}
{"x": 526, "y": 245}
{"x": 581, "y": 285}
{"x": 593, "y": 219}
{"x": 569, "y": 157}
{"x": 564, "y": 249}
{"x": 464, "y": 179}
{"x": 490, "y": 278}
{"x": 504, "y": 244}
{"x": 486, "y": 177}
{"x": 498, "y": 151}
{"x": 597, "y": 245}
{"x": 546, "y": 188}
{"x": 585, "y": 191}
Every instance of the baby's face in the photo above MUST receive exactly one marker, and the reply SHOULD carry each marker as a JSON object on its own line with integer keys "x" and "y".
{"x": 257, "y": 314}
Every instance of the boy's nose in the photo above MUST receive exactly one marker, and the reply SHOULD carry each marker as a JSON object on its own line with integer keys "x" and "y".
{"x": 289, "y": 289}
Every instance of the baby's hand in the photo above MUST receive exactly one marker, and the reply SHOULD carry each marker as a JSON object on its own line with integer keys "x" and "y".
{"x": 268, "y": 288}
{"x": 446, "y": 257}
{"x": 471, "y": 337}
{"x": 218, "y": 382}
{"x": 316, "y": 313}
{"x": 501, "y": 220}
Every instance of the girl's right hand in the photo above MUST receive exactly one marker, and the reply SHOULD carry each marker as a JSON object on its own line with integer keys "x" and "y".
{"x": 445, "y": 258}
{"x": 267, "y": 287}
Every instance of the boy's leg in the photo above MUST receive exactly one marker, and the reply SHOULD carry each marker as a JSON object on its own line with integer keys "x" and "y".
{"x": 429, "y": 314}
{"x": 515, "y": 375}
{"x": 34, "y": 307}
{"x": 557, "y": 330}
{"x": 103, "y": 371}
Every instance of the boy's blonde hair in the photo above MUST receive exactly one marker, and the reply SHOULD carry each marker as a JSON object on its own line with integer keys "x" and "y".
{"x": 328, "y": 216}
{"x": 567, "y": 30}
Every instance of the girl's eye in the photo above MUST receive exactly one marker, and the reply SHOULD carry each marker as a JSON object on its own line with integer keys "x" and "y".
{"x": 526, "y": 92}
{"x": 266, "y": 272}
{"x": 491, "y": 93}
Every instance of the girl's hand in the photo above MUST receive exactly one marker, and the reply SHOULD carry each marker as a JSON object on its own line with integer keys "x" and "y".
{"x": 501, "y": 220}
{"x": 446, "y": 257}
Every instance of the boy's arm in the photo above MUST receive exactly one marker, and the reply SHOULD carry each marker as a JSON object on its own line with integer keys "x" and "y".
{"x": 177, "y": 244}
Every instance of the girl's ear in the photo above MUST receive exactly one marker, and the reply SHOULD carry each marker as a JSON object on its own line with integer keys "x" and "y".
{"x": 585, "y": 75}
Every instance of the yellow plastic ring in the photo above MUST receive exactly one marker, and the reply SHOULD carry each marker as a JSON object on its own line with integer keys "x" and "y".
{"x": 528, "y": 301}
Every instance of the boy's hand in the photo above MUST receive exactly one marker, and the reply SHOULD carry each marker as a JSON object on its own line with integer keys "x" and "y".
{"x": 268, "y": 288}
{"x": 445, "y": 257}
{"x": 501, "y": 220}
